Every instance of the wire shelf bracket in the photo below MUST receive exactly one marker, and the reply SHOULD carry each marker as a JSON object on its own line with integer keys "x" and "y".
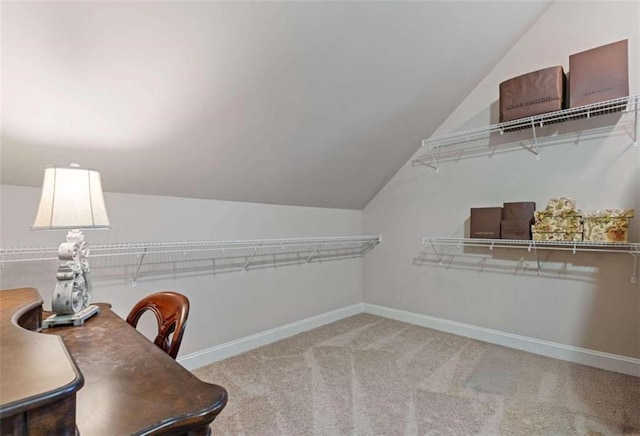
{"x": 245, "y": 267}
{"x": 141, "y": 256}
{"x": 632, "y": 248}
{"x": 635, "y": 122}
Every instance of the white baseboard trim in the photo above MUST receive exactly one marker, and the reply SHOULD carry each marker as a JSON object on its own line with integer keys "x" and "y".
{"x": 597, "y": 359}
{"x": 584, "y": 356}
{"x": 223, "y": 351}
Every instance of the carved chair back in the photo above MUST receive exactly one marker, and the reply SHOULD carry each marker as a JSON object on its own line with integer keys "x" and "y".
{"x": 171, "y": 310}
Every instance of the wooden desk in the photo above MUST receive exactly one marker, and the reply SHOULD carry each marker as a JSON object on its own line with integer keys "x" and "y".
{"x": 130, "y": 385}
{"x": 38, "y": 377}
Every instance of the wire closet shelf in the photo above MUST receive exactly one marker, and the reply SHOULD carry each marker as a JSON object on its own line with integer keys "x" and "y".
{"x": 45, "y": 253}
{"x": 611, "y": 247}
{"x": 632, "y": 248}
{"x": 233, "y": 255}
{"x": 624, "y": 104}
{"x": 627, "y": 104}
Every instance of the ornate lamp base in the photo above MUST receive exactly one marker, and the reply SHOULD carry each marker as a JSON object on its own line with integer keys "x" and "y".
{"x": 73, "y": 291}
{"x": 76, "y": 318}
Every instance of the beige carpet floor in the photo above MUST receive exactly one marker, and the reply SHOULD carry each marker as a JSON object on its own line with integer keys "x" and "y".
{"x": 367, "y": 375}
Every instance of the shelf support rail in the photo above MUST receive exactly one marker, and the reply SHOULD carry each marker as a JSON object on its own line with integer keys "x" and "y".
{"x": 635, "y": 124}
{"x": 431, "y": 160}
{"x": 250, "y": 258}
{"x": 434, "y": 159}
{"x": 370, "y": 246}
{"x": 135, "y": 277}
{"x": 532, "y": 244}
{"x": 433, "y": 247}
{"x": 308, "y": 259}
{"x": 634, "y": 275}
{"x": 534, "y": 149}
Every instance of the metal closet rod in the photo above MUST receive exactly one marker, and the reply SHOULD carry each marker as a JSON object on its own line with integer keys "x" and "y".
{"x": 41, "y": 253}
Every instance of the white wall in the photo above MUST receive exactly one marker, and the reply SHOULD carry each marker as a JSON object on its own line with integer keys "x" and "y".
{"x": 225, "y": 306}
{"x": 590, "y": 303}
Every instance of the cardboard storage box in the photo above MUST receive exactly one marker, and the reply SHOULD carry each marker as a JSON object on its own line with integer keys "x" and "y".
{"x": 610, "y": 225}
{"x": 485, "y": 222}
{"x": 559, "y": 221}
{"x": 515, "y": 229}
{"x": 558, "y": 224}
{"x": 557, "y": 236}
{"x": 533, "y": 93}
{"x": 558, "y": 207}
{"x": 599, "y": 74}
{"x": 521, "y": 210}
{"x": 561, "y": 203}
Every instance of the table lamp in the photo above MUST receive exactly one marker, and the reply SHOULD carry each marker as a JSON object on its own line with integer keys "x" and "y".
{"x": 71, "y": 199}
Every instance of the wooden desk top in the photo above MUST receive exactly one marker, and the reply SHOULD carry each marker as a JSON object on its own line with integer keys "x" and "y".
{"x": 132, "y": 386}
{"x": 36, "y": 369}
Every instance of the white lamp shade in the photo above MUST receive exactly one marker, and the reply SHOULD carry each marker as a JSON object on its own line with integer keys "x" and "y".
{"x": 72, "y": 198}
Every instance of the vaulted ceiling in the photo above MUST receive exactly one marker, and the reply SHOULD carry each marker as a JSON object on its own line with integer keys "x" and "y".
{"x": 299, "y": 103}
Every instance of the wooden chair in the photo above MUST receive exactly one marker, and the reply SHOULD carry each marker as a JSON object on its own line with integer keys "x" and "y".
{"x": 171, "y": 310}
